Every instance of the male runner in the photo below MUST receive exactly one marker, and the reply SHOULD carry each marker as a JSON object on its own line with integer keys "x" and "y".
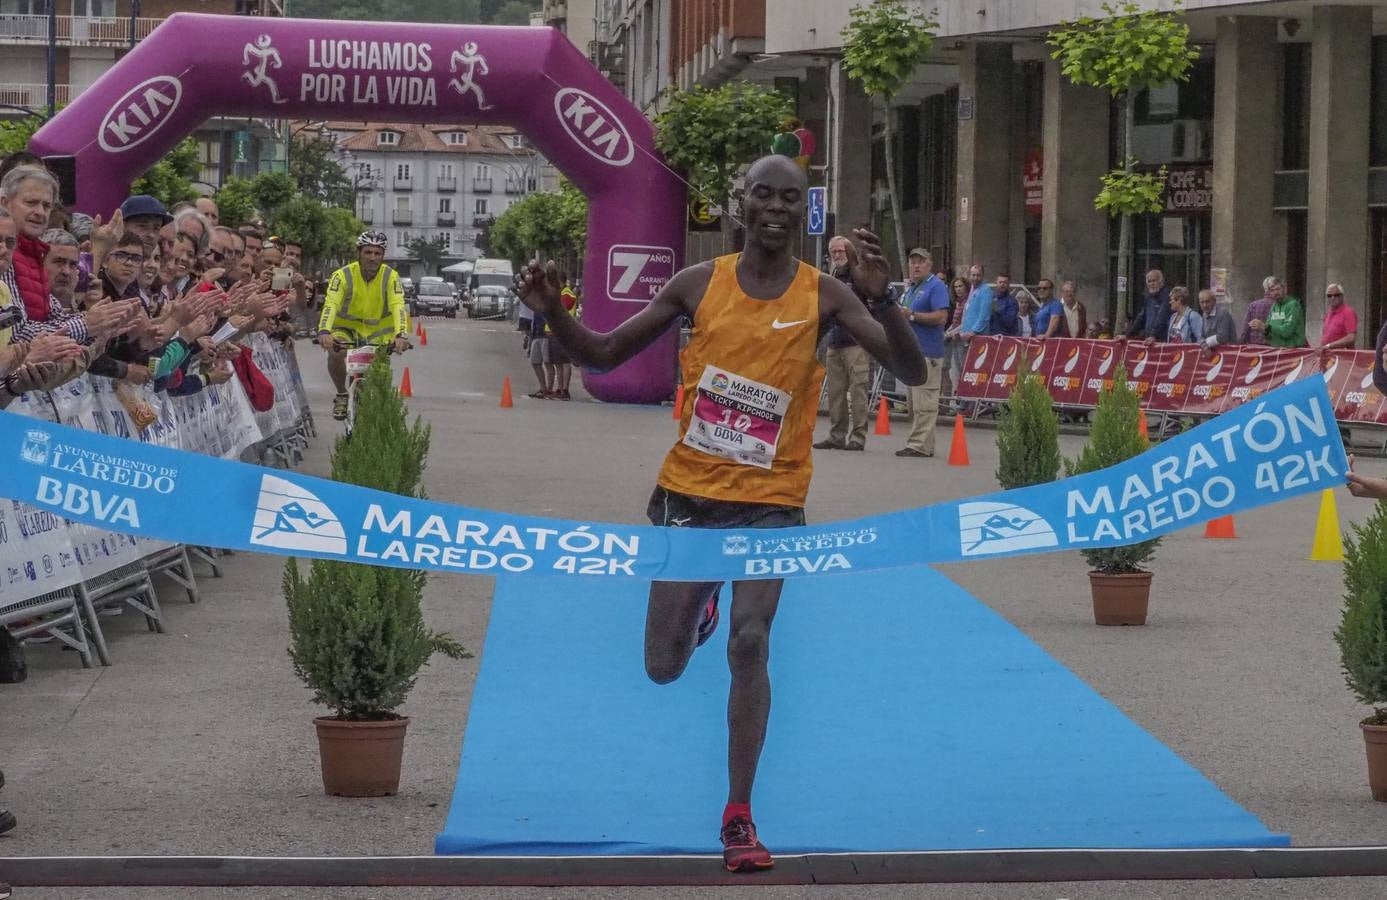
{"x": 743, "y": 456}
{"x": 364, "y": 304}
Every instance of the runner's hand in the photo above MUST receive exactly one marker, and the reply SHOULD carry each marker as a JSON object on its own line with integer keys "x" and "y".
{"x": 868, "y": 266}
{"x": 327, "y": 342}
{"x": 539, "y": 288}
{"x": 400, "y": 344}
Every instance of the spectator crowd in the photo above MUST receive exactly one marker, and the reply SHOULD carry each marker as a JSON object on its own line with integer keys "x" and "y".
{"x": 947, "y": 312}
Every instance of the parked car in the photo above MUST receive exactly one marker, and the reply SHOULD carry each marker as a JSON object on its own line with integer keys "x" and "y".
{"x": 491, "y": 302}
{"x": 435, "y": 298}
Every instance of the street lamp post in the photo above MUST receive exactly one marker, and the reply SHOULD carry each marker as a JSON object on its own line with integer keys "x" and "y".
{"x": 52, "y": 57}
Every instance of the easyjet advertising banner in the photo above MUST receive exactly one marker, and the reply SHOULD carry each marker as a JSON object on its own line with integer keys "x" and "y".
{"x": 1174, "y": 378}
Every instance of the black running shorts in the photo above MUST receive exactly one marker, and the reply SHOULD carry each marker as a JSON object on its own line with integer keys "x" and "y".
{"x": 684, "y": 511}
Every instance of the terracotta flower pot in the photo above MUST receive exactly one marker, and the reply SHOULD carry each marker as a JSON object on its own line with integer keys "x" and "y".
{"x": 1375, "y": 739}
{"x": 361, "y": 759}
{"x": 1120, "y": 599}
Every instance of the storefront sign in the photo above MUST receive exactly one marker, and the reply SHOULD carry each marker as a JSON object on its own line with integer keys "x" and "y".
{"x": 1189, "y": 189}
{"x": 1032, "y": 183}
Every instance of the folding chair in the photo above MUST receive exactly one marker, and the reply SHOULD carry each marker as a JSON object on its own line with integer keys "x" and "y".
{"x": 55, "y": 613}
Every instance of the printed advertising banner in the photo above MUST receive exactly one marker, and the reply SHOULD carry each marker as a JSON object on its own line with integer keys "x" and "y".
{"x": 41, "y": 551}
{"x": 1284, "y": 444}
{"x": 1171, "y": 378}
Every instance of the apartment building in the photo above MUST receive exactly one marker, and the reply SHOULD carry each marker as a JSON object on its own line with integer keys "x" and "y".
{"x": 434, "y": 181}
{"x": 88, "y": 37}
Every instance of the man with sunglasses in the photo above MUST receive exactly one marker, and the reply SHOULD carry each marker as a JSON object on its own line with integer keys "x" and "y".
{"x": 1340, "y": 321}
{"x": 364, "y": 304}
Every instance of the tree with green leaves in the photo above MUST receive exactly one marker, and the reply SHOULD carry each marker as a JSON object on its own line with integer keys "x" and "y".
{"x": 1130, "y": 50}
{"x": 1028, "y": 449}
{"x": 357, "y": 633}
{"x": 316, "y": 173}
{"x": 547, "y": 224}
{"x": 429, "y": 251}
{"x": 711, "y": 133}
{"x": 1115, "y": 438}
{"x": 883, "y": 42}
{"x": 1362, "y": 631}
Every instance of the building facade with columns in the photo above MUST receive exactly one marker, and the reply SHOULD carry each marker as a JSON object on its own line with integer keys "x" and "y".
{"x": 1275, "y": 148}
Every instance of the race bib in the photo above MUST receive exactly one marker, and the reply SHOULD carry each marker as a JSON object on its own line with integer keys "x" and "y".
{"x": 737, "y": 418}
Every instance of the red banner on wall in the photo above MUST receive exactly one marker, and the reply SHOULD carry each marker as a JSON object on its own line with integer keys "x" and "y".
{"x": 1174, "y": 378}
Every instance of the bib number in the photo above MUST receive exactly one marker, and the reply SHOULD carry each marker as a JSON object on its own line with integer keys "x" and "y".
{"x": 736, "y": 418}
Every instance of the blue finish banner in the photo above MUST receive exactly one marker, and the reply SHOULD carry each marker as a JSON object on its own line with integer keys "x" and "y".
{"x": 1284, "y": 444}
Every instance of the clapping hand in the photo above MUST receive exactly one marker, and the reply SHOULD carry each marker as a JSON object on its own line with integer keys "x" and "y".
{"x": 52, "y": 347}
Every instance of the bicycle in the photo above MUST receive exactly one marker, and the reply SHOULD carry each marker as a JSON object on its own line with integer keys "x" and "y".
{"x": 361, "y": 354}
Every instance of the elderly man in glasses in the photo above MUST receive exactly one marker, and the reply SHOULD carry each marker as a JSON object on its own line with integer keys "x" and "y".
{"x": 1340, "y": 322}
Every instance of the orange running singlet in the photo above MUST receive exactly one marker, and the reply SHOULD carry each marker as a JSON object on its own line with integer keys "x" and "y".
{"x": 751, "y": 393}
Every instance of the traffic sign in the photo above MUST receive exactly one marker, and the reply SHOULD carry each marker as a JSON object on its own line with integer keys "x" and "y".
{"x": 818, "y": 210}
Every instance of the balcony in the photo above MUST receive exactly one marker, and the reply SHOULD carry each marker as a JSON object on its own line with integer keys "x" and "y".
{"x": 514, "y": 187}
{"x": 482, "y": 221}
{"x": 481, "y": 185}
{"x": 447, "y": 219}
{"x": 402, "y": 217}
{"x": 73, "y": 31}
{"x": 404, "y": 183}
{"x": 33, "y": 96}
{"x": 447, "y": 185}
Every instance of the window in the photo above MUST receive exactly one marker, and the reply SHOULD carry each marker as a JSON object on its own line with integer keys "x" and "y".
{"x": 445, "y": 204}
{"x": 402, "y": 203}
{"x": 1295, "y": 106}
{"x": 447, "y": 240}
{"x": 445, "y": 170}
{"x": 402, "y": 171}
{"x": 401, "y": 238}
{"x": 366, "y": 172}
{"x": 513, "y": 141}
{"x": 483, "y": 171}
{"x": 480, "y": 208}
{"x": 388, "y": 138}
{"x": 457, "y": 138}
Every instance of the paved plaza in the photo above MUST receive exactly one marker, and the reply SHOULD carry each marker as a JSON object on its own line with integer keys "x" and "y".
{"x": 200, "y": 741}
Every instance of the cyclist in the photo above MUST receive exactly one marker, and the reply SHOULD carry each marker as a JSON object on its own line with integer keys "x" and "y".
{"x": 364, "y": 304}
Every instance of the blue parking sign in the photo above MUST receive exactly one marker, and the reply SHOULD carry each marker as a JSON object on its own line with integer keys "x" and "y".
{"x": 818, "y": 210}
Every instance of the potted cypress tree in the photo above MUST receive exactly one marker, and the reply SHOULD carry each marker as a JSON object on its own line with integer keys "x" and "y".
{"x": 1121, "y": 587}
{"x": 357, "y": 632}
{"x": 1028, "y": 435}
{"x": 1362, "y": 636}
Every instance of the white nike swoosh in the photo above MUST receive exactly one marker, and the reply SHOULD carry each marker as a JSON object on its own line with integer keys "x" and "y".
{"x": 777, "y": 324}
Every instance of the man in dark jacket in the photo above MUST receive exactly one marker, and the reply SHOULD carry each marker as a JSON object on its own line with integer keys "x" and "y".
{"x": 1153, "y": 321}
{"x": 1005, "y": 314}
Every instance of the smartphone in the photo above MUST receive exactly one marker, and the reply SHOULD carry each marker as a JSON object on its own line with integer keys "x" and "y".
{"x": 64, "y": 168}
{"x": 280, "y": 278}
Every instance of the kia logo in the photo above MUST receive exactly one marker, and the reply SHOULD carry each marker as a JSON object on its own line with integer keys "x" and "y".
{"x": 140, "y": 113}
{"x": 594, "y": 127}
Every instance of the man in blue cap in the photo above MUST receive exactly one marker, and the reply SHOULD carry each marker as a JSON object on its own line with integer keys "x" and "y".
{"x": 144, "y": 215}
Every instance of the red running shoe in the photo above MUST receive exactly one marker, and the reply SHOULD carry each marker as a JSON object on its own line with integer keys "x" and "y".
{"x": 741, "y": 851}
{"x": 710, "y": 619}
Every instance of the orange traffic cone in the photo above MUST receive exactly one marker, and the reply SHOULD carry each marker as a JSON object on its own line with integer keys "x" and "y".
{"x": 506, "y": 401}
{"x": 883, "y": 418}
{"x": 423, "y": 336}
{"x": 1141, "y": 425}
{"x": 958, "y": 450}
{"x": 1221, "y": 528}
{"x": 406, "y": 389}
{"x": 418, "y": 329}
{"x": 679, "y": 403}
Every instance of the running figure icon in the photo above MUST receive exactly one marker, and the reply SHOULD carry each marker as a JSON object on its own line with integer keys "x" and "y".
{"x": 471, "y": 60}
{"x": 267, "y": 56}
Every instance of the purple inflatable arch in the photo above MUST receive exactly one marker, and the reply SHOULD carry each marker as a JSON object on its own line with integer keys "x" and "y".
{"x": 195, "y": 66}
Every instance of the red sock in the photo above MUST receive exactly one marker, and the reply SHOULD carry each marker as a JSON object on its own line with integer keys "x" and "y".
{"x": 733, "y": 810}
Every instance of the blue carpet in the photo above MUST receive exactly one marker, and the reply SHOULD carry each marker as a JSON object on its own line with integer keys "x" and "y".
{"x": 907, "y": 716}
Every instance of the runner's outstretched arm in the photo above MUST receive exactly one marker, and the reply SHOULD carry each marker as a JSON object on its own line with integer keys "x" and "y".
{"x": 884, "y": 333}
{"x": 540, "y": 290}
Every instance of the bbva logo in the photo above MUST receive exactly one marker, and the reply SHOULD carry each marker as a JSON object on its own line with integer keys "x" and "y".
{"x": 594, "y": 127}
{"x": 140, "y": 113}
